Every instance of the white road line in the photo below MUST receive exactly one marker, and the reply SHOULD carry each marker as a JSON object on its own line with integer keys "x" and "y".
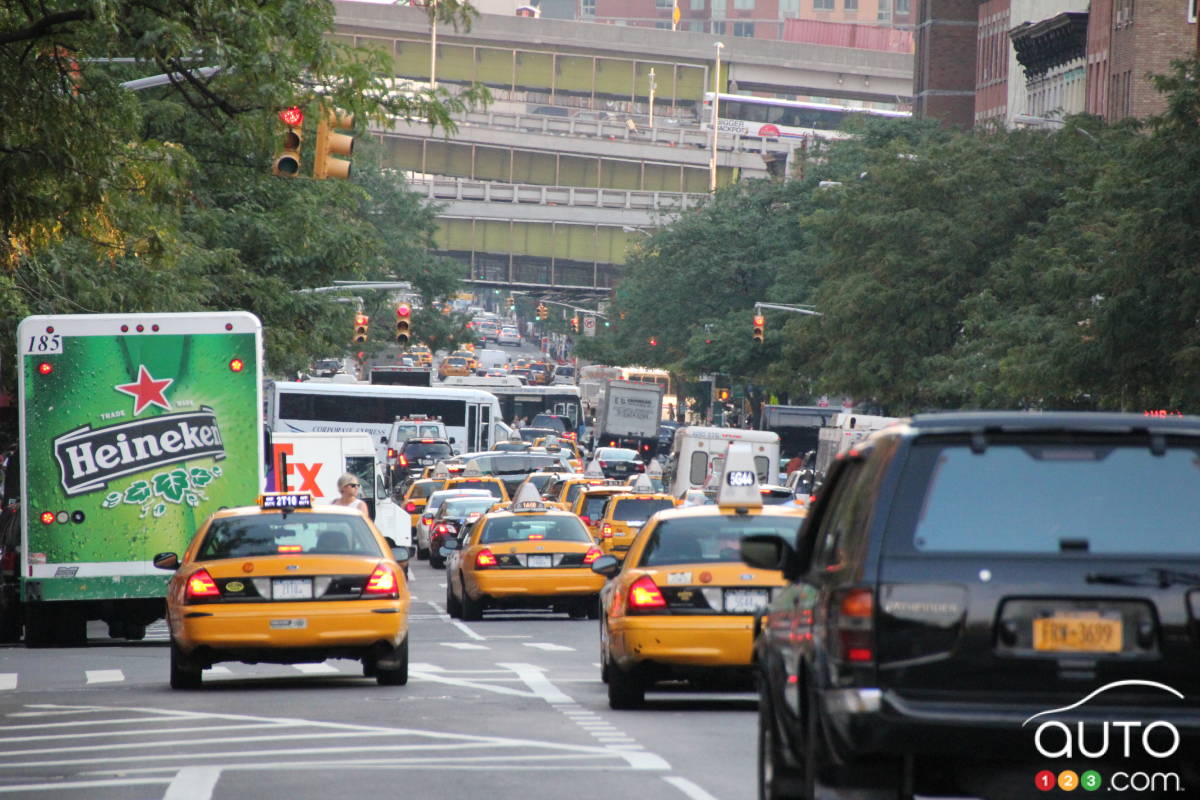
{"x": 192, "y": 740}
{"x": 57, "y": 785}
{"x": 157, "y": 732}
{"x": 317, "y": 669}
{"x": 441, "y": 586}
{"x": 688, "y": 788}
{"x": 549, "y": 647}
{"x": 535, "y": 678}
{"x": 8, "y": 680}
{"x": 219, "y": 670}
{"x": 193, "y": 783}
{"x": 465, "y": 646}
{"x": 105, "y": 676}
{"x": 462, "y": 626}
{"x": 434, "y": 677}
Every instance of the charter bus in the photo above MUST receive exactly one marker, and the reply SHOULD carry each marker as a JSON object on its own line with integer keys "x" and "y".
{"x": 472, "y": 417}
{"x": 784, "y": 119}
{"x": 526, "y": 402}
{"x": 659, "y": 376}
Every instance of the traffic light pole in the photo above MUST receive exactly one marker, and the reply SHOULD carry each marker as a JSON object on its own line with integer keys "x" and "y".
{"x": 793, "y": 309}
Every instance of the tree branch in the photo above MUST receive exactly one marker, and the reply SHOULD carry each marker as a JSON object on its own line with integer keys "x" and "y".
{"x": 44, "y": 25}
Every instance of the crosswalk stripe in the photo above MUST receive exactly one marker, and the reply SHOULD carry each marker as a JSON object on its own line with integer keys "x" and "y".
{"x": 465, "y": 646}
{"x": 105, "y": 676}
{"x": 549, "y": 646}
{"x": 8, "y": 680}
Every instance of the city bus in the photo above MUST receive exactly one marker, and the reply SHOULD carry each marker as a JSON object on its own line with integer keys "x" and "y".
{"x": 472, "y": 417}
{"x": 784, "y": 119}
{"x": 526, "y": 402}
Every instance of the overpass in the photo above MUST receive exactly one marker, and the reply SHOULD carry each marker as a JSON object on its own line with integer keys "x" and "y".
{"x": 550, "y": 185}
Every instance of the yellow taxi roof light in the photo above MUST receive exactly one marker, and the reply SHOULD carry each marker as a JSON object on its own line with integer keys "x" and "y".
{"x": 285, "y": 500}
{"x": 739, "y": 479}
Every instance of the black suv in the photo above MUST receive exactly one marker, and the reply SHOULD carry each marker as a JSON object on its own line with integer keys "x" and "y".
{"x": 416, "y": 454}
{"x": 981, "y": 603}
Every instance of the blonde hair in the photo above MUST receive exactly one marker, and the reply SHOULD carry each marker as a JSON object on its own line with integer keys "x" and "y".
{"x": 346, "y": 480}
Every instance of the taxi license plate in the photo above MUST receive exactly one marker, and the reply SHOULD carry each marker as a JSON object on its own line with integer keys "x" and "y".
{"x": 1088, "y": 634}
{"x": 745, "y": 601}
{"x": 291, "y": 589}
{"x": 541, "y": 561}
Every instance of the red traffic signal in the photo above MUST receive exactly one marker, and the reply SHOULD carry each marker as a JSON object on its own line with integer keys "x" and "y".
{"x": 360, "y": 328}
{"x": 760, "y": 324}
{"x": 292, "y": 116}
{"x": 653, "y": 342}
{"x": 403, "y": 310}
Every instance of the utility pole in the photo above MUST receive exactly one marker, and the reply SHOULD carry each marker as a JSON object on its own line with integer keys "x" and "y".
{"x": 653, "y": 86}
{"x": 712, "y": 163}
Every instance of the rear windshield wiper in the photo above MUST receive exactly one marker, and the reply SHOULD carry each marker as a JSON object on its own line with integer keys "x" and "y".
{"x": 1155, "y": 576}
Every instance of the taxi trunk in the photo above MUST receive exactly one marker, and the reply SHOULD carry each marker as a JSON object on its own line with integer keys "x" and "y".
{"x": 544, "y": 569}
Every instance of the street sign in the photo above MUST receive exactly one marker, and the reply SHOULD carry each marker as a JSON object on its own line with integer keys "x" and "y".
{"x": 589, "y": 326}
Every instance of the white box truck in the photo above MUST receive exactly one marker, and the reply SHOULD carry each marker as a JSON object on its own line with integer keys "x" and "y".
{"x": 627, "y": 415}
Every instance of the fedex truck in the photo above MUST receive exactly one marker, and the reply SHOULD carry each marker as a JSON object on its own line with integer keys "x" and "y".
{"x": 134, "y": 428}
{"x": 313, "y": 462}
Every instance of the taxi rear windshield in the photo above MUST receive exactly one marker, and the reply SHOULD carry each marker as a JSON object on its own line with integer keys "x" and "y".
{"x": 461, "y": 508}
{"x": 523, "y": 528}
{"x": 1078, "y": 497}
{"x": 424, "y": 489}
{"x": 711, "y": 539}
{"x": 593, "y": 506}
{"x": 296, "y": 534}
{"x": 639, "y": 509}
{"x": 493, "y": 486}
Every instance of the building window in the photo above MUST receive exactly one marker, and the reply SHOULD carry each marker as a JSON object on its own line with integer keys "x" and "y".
{"x": 902, "y": 7}
{"x": 822, "y": 5}
{"x": 695, "y": 26}
{"x": 698, "y": 5}
{"x": 744, "y": 5}
{"x": 1191, "y": 10}
{"x": 789, "y": 8}
{"x": 663, "y": 4}
{"x": 718, "y": 28}
{"x": 744, "y": 29}
{"x": 852, "y": 5}
{"x": 885, "y": 11}
{"x": 589, "y": 8}
{"x": 718, "y": 11}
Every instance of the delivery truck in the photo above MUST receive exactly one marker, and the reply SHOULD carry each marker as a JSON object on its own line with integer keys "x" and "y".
{"x": 627, "y": 415}
{"x": 134, "y": 428}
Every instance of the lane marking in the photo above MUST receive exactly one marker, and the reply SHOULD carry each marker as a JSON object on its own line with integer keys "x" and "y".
{"x": 8, "y": 680}
{"x": 156, "y": 732}
{"x": 465, "y": 646}
{"x": 219, "y": 670}
{"x": 105, "y": 676}
{"x": 193, "y": 783}
{"x": 462, "y": 626}
{"x": 317, "y": 669}
{"x": 39, "y": 787}
{"x": 535, "y": 678}
{"x": 688, "y": 788}
{"x": 550, "y": 647}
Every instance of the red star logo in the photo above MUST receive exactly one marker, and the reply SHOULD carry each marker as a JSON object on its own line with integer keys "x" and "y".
{"x": 146, "y": 391}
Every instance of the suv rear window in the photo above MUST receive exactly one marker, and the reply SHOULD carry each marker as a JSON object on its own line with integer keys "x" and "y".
{"x": 436, "y": 450}
{"x": 264, "y": 535}
{"x": 1102, "y": 498}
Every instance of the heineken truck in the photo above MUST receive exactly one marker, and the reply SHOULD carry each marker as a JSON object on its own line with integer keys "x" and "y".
{"x": 134, "y": 428}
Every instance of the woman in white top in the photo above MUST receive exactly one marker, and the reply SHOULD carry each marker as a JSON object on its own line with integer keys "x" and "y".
{"x": 348, "y": 487}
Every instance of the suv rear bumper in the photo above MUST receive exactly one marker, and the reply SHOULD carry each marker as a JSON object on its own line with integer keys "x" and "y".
{"x": 881, "y": 722}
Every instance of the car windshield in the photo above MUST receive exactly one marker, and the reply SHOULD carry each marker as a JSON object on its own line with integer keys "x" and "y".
{"x": 532, "y": 526}
{"x": 294, "y": 534}
{"x": 1051, "y": 498}
{"x": 431, "y": 450}
{"x": 533, "y": 434}
{"x": 539, "y": 481}
{"x": 548, "y": 421}
{"x": 424, "y": 489}
{"x": 436, "y": 500}
{"x": 638, "y": 509}
{"x": 459, "y": 507}
{"x": 616, "y": 454}
{"x": 573, "y": 491}
{"x": 711, "y": 539}
{"x": 771, "y": 497}
{"x": 511, "y": 447}
{"x": 516, "y": 463}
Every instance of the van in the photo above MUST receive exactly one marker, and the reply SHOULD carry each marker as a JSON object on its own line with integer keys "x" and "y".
{"x": 313, "y": 462}
{"x": 696, "y": 450}
{"x": 487, "y": 359}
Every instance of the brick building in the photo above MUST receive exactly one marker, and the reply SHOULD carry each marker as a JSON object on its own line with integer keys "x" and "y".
{"x": 760, "y": 19}
{"x": 943, "y": 72}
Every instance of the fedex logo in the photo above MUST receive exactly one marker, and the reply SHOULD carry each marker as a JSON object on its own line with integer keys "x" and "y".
{"x": 307, "y": 473}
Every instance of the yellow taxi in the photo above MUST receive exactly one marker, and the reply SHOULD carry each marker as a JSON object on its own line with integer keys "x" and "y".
{"x": 423, "y": 355}
{"x": 528, "y": 556}
{"x": 682, "y": 605}
{"x": 476, "y": 481}
{"x": 469, "y": 355}
{"x": 417, "y": 495}
{"x": 625, "y": 514}
{"x": 287, "y": 583}
{"x": 589, "y": 505}
{"x": 541, "y": 481}
{"x": 565, "y": 487}
{"x": 553, "y": 444}
{"x": 453, "y": 366}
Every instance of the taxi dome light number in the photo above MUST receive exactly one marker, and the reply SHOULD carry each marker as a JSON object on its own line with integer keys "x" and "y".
{"x": 201, "y": 584}
{"x": 741, "y": 477}
{"x": 645, "y": 594}
{"x": 382, "y": 583}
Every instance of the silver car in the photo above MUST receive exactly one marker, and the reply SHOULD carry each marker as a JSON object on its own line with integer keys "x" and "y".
{"x": 421, "y": 535}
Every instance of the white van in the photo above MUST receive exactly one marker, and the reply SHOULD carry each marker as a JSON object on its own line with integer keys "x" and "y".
{"x": 488, "y": 359}
{"x": 695, "y": 448}
{"x": 313, "y": 462}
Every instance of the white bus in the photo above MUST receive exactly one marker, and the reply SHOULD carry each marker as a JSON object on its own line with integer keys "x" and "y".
{"x": 662, "y": 378}
{"x": 769, "y": 118}
{"x": 526, "y": 402}
{"x": 472, "y": 417}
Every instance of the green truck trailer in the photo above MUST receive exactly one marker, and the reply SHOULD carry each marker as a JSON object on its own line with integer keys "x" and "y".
{"x": 134, "y": 428}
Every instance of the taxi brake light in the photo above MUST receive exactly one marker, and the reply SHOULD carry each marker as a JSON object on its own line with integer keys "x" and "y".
{"x": 201, "y": 584}
{"x": 485, "y": 559}
{"x": 606, "y": 531}
{"x": 428, "y": 518}
{"x": 537, "y": 536}
{"x": 382, "y": 583}
{"x": 289, "y": 548}
{"x": 391, "y": 452}
{"x": 585, "y": 519}
{"x": 441, "y": 527}
{"x": 645, "y": 594}
{"x": 410, "y": 507}
{"x": 592, "y": 554}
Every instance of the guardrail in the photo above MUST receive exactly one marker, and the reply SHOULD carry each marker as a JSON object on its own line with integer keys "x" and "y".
{"x": 437, "y": 188}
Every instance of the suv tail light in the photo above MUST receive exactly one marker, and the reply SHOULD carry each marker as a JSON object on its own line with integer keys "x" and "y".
{"x": 592, "y": 554}
{"x": 606, "y": 531}
{"x": 854, "y": 623}
{"x": 383, "y": 583}
{"x": 410, "y": 507}
{"x": 485, "y": 559}
{"x": 644, "y": 595}
{"x": 403, "y": 460}
{"x": 201, "y": 585}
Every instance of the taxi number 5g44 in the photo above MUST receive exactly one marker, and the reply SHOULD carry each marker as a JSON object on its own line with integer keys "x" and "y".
{"x": 741, "y": 477}
{"x": 43, "y": 344}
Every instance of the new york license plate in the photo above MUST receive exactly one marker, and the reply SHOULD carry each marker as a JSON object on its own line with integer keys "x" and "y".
{"x": 291, "y": 589}
{"x": 1082, "y": 633}
{"x": 745, "y": 601}
{"x": 541, "y": 561}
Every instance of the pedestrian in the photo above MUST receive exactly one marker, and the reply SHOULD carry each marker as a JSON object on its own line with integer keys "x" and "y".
{"x": 631, "y": 126}
{"x": 348, "y": 488}
{"x": 794, "y": 464}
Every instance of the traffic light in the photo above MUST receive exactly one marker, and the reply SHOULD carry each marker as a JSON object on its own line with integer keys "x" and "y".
{"x": 403, "y": 324}
{"x": 575, "y": 324}
{"x": 287, "y": 163}
{"x": 652, "y": 341}
{"x": 331, "y": 144}
{"x": 360, "y": 328}
{"x": 542, "y": 311}
{"x": 760, "y": 323}
{"x": 723, "y": 395}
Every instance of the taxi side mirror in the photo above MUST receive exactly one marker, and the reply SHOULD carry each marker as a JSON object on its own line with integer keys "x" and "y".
{"x": 166, "y": 561}
{"x": 608, "y": 566}
{"x": 767, "y": 551}
{"x": 401, "y": 553}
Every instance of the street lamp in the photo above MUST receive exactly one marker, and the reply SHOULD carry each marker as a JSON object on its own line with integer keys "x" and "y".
{"x": 653, "y": 86}
{"x": 433, "y": 45}
{"x": 712, "y": 163}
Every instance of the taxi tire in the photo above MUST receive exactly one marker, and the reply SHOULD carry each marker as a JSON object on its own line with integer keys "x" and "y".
{"x": 453, "y": 604}
{"x": 472, "y": 610}
{"x": 397, "y": 675}
{"x": 184, "y": 675}
{"x": 626, "y": 690}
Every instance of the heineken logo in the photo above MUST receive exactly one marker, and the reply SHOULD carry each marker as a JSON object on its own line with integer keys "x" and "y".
{"x": 88, "y": 458}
